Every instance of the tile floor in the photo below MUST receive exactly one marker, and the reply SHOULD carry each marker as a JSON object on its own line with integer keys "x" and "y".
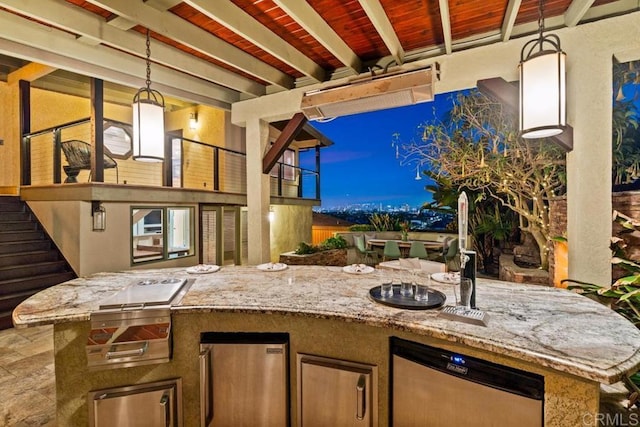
{"x": 27, "y": 377}
{"x": 27, "y": 382}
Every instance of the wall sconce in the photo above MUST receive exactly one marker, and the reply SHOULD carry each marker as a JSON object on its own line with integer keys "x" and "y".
{"x": 148, "y": 120}
{"x": 99, "y": 215}
{"x": 272, "y": 215}
{"x": 193, "y": 121}
{"x": 543, "y": 85}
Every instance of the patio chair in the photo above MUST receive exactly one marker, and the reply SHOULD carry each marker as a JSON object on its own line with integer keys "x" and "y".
{"x": 364, "y": 253}
{"x": 417, "y": 250}
{"x": 391, "y": 250}
{"x": 452, "y": 256}
{"x": 78, "y": 154}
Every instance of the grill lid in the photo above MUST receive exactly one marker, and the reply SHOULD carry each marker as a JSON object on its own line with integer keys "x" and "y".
{"x": 145, "y": 293}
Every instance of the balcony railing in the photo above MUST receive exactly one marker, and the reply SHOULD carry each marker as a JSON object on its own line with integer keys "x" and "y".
{"x": 188, "y": 164}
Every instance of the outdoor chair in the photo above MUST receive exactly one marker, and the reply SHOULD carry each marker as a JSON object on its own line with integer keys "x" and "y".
{"x": 452, "y": 256}
{"x": 364, "y": 253}
{"x": 78, "y": 154}
{"x": 417, "y": 250}
{"x": 391, "y": 250}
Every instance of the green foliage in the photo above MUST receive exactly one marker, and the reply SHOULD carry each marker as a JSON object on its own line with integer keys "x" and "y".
{"x": 331, "y": 243}
{"x": 623, "y": 295}
{"x": 361, "y": 227}
{"x": 384, "y": 222}
{"x": 306, "y": 249}
{"x": 337, "y": 242}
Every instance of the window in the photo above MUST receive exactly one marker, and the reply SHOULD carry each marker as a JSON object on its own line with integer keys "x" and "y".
{"x": 287, "y": 161}
{"x": 161, "y": 233}
{"x": 117, "y": 140}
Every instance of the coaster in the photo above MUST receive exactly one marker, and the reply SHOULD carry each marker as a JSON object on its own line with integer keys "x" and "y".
{"x": 461, "y": 314}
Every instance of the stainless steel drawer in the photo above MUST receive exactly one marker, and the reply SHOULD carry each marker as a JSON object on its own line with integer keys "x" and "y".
{"x": 157, "y": 404}
{"x": 334, "y": 392}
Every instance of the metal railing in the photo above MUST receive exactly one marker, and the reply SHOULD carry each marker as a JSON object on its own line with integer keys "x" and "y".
{"x": 188, "y": 164}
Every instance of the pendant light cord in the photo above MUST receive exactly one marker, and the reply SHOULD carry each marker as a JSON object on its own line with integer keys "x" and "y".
{"x": 148, "y": 62}
{"x": 541, "y": 17}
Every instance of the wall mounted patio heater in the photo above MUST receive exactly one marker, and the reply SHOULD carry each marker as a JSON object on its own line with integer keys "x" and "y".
{"x": 377, "y": 92}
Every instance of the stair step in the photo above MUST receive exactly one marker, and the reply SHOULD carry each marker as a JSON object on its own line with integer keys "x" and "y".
{"x": 24, "y": 246}
{"x": 9, "y": 302}
{"x": 6, "y": 321}
{"x": 14, "y": 272}
{"x": 15, "y": 216}
{"x": 11, "y": 204}
{"x": 18, "y": 226}
{"x": 22, "y": 258}
{"x": 36, "y": 283}
{"x": 17, "y": 236}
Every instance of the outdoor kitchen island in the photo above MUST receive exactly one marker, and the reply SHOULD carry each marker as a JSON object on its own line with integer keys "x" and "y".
{"x": 571, "y": 341}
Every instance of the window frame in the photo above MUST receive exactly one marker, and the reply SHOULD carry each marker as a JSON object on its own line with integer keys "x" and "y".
{"x": 166, "y": 253}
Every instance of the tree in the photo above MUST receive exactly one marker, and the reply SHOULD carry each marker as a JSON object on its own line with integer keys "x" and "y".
{"x": 477, "y": 147}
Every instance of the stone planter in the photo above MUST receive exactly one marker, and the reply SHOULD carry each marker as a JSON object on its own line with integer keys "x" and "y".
{"x": 337, "y": 257}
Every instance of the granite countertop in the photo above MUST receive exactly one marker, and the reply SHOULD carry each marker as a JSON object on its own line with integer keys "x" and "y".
{"x": 554, "y": 328}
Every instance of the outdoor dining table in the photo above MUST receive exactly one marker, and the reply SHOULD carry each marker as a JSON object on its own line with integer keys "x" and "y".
{"x": 430, "y": 245}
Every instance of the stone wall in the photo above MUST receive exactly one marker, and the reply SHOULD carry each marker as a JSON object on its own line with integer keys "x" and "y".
{"x": 626, "y": 202}
{"x": 557, "y": 227}
{"x": 337, "y": 257}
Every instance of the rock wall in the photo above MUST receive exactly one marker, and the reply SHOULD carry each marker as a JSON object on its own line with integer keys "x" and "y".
{"x": 337, "y": 257}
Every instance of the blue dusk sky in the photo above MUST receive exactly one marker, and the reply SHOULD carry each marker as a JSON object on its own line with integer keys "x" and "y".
{"x": 361, "y": 166}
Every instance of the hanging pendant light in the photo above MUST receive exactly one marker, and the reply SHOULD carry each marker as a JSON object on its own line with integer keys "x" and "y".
{"x": 542, "y": 85}
{"x": 418, "y": 176}
{"x": 148, "y": 120}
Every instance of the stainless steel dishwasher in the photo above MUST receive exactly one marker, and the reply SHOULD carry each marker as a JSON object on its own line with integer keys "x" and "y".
{"x": 435, "y": 387}
{"x": 244, "y": 379}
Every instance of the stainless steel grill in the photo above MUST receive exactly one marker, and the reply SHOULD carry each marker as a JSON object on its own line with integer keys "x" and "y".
{"x": 133, "y": 327}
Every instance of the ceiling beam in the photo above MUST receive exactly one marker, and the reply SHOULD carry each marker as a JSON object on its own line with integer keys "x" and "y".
{"x": 244, "y": 25}
{"x": 102, "y": 61}
{"x": 380, "y": 21}
{"x": 510, "y": 19}
{"x": 313, "y": 23}
{"x": 89, "y": 26}
{"x": 576, "y": 11}
{"x": 176, "y": 28}
{"x": 30, "y": 72}
{"x": 446, "y": 25}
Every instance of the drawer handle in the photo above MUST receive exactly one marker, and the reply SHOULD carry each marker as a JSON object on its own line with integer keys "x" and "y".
{"x": 361, "y": 389}
{"x": 164, "y": 403}
{"x": 114, "y": 354}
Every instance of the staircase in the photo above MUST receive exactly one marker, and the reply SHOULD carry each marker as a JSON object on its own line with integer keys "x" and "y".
{"x": 29, "y": 260}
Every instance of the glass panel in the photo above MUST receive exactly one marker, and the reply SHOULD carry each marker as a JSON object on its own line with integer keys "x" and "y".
{"x": 180, "y": 232}
{"x": 147, "y": 234}
{"x": 117, "y": 140}
{"x": 176, "y": 162}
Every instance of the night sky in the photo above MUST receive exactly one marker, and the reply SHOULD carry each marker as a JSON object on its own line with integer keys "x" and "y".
{"x": 361, "y": 166}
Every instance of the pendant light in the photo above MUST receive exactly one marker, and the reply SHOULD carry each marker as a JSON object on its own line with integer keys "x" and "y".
{"x": 542, "y": 85}
{"x": 148, "y": 120}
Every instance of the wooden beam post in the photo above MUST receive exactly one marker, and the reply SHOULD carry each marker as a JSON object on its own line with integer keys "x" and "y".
{"x": 288, "y": 134}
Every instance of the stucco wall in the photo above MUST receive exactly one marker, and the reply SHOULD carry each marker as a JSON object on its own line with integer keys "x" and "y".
{"x": 69, "y": 223}
{"x": 291, "y": 225}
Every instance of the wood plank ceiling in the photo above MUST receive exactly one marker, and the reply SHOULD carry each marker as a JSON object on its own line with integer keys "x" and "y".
{"x": 229, "y": 50}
